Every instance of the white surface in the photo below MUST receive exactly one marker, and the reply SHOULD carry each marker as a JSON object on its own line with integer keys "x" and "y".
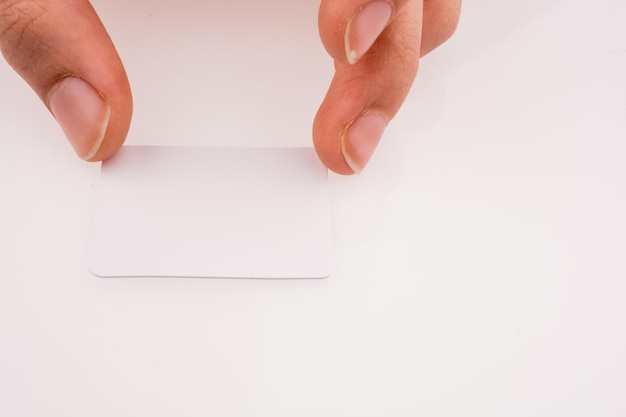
{"x": 165, "y": 211}
{"x": 479, "y": 264}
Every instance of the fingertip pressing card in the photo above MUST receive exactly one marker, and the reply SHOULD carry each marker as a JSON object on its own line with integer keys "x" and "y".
{"x": 212, "y": 212}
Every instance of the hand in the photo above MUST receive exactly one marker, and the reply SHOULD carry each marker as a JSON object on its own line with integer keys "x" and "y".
{"x": 62, "y": 50}
{"x": 78, "y": 74}
{"x": 376, "y": 45}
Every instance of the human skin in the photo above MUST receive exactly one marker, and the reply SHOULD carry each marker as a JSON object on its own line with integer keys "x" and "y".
{"x": 62, "y": 50}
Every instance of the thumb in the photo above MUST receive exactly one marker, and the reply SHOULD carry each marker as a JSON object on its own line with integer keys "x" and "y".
{"x": 64, "y": 53}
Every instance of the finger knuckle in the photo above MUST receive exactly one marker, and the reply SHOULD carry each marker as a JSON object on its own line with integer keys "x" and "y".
{"x": 18, "y": 19}
{"x": 403, "y": 48}
{"x": 447, "y": 14}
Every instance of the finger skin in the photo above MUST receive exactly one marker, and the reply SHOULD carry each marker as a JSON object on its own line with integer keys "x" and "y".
{"x": 380, "y": 81}
{"x": 47, "y": 41}
{"x": 441, "y": 18}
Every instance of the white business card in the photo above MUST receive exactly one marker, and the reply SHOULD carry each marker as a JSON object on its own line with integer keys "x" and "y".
{"x": 165, "y": 211}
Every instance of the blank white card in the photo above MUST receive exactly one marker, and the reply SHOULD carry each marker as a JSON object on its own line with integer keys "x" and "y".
{"x": 165, "y": 211}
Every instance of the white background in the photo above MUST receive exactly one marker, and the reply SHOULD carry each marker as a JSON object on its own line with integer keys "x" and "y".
{"x": 479, "y": 263}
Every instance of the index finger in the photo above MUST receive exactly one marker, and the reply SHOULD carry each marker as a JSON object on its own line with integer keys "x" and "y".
{"x": 348, "y": 28}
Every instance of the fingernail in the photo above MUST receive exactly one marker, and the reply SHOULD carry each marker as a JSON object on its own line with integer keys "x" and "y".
{"x": 365, "y": 27}
{"x": 82, "y": 113}
{"x": 361, "y": 139}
